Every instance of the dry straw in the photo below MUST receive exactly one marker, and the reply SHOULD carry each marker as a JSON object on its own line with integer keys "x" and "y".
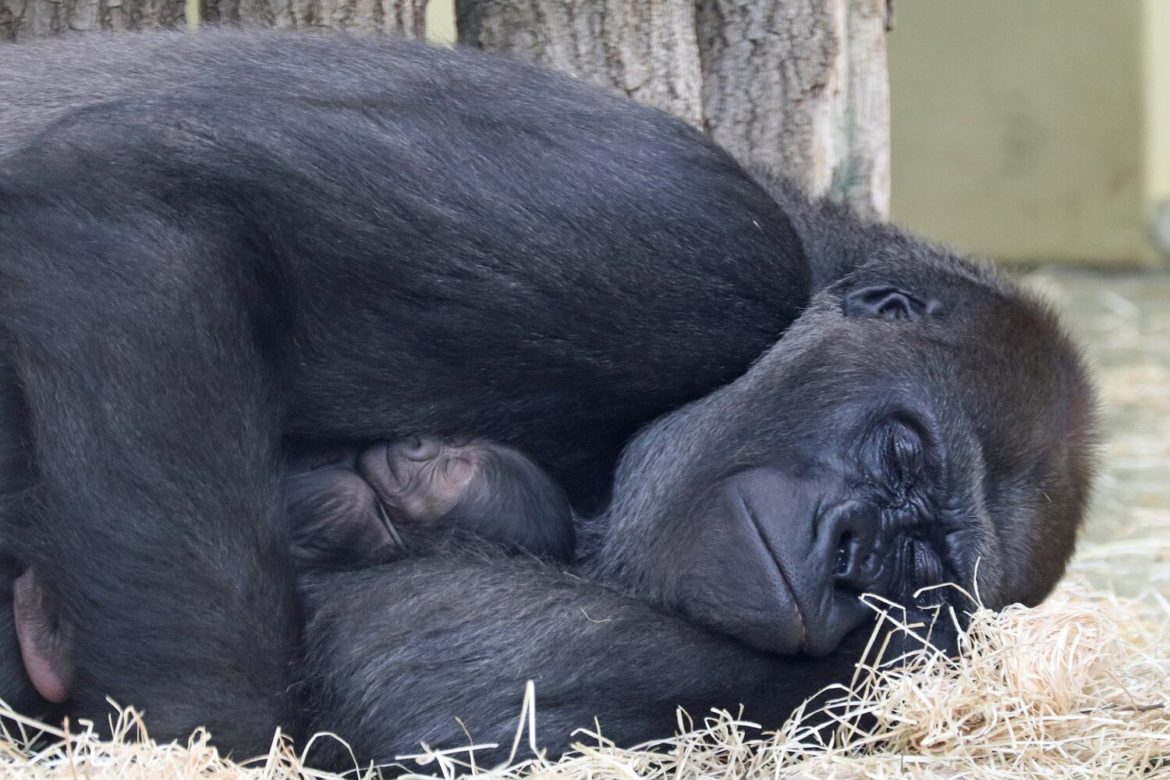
{"x": 1077, "y": 688}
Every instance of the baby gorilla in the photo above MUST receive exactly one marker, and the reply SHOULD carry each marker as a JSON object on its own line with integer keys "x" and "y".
{"x": 351, "y": 509}
{"x": 358, "y": 508}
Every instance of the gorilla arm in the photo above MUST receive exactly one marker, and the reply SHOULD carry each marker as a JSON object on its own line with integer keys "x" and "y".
{"x": 417, "y": 650}
{"x": 156, "y": 590}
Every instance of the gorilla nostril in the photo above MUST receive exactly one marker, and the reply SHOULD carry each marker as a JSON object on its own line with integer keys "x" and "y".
{"x": 846, "y": 550}
{"x": 848, "y": 543}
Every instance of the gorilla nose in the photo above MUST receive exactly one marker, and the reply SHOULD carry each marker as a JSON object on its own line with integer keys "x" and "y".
{"x": 848, "y": 537}
{"x": 419, "y": 448}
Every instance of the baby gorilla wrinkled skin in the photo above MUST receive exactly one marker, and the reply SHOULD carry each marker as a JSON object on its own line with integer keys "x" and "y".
{"x": 351, "y": 508}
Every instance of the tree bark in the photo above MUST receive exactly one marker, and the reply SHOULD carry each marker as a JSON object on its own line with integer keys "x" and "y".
{"x": 401, "y": 17}
{"x": 797, "y": 86}
{"x": 644, "y": 48}
{"x": 20, "y": 19}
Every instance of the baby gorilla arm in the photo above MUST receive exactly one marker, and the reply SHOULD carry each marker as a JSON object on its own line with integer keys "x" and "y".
{"x": 413, "y": 495}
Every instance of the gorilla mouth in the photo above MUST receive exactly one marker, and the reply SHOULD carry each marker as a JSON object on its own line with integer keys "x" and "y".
{"x": 789, "y": 596}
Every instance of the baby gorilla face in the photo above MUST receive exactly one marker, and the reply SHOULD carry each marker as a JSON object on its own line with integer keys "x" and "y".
{"x": 424, "y": 479}
{"x": 414, "y": 495}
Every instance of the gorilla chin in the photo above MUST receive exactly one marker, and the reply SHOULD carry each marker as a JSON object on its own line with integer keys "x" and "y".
{"x": 891, "y": 466}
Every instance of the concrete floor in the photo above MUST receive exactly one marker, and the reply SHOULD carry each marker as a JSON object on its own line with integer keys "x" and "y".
{"x": 1123, "y": 322}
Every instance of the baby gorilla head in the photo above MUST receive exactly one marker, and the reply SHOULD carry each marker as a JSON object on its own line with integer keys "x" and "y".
{"x": 413, "y": 495}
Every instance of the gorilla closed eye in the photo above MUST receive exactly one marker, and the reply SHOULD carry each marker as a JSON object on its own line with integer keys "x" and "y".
{"x": 928, "y": 569}
{"x": 894, "y": 456}
{"x": 904, "y": 455}
{"x": 886, "y": 302}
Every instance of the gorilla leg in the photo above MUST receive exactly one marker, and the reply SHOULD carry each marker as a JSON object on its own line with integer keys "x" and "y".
{"x": 158, "y": 539}
{"x": 15, "y": 479}
{"x": 388, "y": 670}
{"x": 16, "y": 690}
{"x": 45, "y": 645}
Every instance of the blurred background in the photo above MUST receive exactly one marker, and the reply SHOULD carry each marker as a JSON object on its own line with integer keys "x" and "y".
{"x": 1034, "y": 130}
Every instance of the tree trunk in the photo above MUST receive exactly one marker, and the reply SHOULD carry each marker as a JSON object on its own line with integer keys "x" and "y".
{"x": 20, "y": 19}
{"x": 644, "y": 48}
{"x": 402, "y": 17}
{"x": 798, "y": 87}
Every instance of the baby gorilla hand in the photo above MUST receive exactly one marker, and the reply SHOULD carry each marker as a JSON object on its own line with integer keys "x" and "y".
{"x": 415, "y": 495}
{"x": 336, "y": 519}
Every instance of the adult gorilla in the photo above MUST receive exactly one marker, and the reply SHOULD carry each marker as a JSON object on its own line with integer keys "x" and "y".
{"x": 857, "y": 455}
{"x": 218, "y": 246}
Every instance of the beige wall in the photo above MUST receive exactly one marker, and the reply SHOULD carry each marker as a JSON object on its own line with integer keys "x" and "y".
{"x": 1032, "y": 129}
{"x": 1157, "y": 45}
{"x": 441, "y": 21}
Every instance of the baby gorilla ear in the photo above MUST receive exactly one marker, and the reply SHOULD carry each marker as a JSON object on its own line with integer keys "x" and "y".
{"x": 45, "y": 645}
{"x": 886, "y": 302}
{"x": 515, "y": 504}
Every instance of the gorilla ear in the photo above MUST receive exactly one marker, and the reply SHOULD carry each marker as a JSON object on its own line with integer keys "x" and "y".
{"x": 886, "y": 302}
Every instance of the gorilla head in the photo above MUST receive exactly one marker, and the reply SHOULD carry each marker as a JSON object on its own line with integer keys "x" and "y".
{"x": 913, "y": 428}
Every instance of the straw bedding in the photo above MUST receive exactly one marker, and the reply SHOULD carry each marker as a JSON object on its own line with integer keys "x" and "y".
{"x": 1079, "y": 687}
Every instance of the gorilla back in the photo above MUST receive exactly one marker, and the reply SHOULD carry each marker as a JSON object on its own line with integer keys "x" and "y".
{"x": 412, "y": 219}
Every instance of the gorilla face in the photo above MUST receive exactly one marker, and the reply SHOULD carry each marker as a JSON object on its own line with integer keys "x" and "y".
{"x": 904, "y": 433}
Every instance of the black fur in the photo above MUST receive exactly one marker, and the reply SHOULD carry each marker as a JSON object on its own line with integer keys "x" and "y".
{"x": 216, "y": 248}
{"x": 459, "y": 658}
{"x": 734, "y": 511}
{"x": 15, "y": 480}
